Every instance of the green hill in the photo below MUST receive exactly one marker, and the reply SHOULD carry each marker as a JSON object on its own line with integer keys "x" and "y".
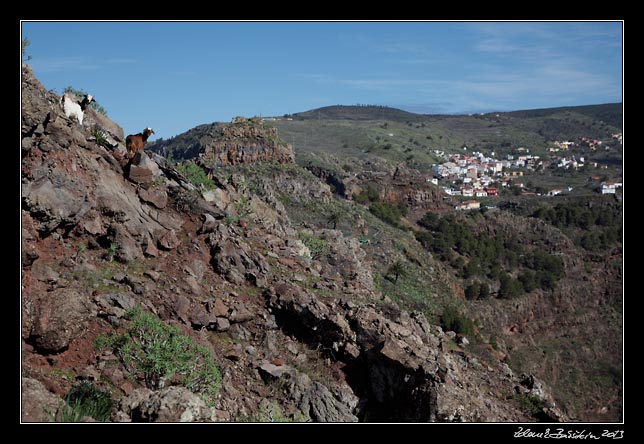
{"x": 399, "y": 136}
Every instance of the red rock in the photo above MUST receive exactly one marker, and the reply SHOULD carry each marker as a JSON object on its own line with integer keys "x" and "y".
{"x": 290, "y": 263}
{"x": 219, "y": 309}
{"x": 151, "y": 249}
{"x": 169, "y": 240}
{"x": 154, "y": 196}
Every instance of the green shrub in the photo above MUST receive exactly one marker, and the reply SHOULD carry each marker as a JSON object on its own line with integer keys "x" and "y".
{"x": 101, "y": 137}
{"x": 484, "y": 291}
{"x": 531, "y": 404}
{"x": 472, "y": 291}
{"x": 453, "y": 320}
{"x": 242, "y": 206}
{"x": 387, "y": 212}
{"x": 397, "y": 269}
{"x": 84, "y": 399}
{"x": 369, "y": 194}
{"x": 155, "y": 352}
{"x": 196, "y": 175}
{"x": 317, "y": 246}
{"x": 24, "y": 43}
{"x": 510, "y": 288}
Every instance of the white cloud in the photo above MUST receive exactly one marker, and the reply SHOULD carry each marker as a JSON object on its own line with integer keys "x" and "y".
{"x": 58, "y": 64}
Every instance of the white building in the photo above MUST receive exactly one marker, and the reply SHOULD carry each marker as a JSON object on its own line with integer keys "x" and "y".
{"x": 607, "y": 188}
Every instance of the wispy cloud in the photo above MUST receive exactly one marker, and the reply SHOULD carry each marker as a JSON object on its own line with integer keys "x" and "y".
{"x": 120, "y": 61}
{"x": 76, "y": 63}
{"x": 384, "y": 84}
{"x": 59, "y": 64}
{"x": 404, "y": 48}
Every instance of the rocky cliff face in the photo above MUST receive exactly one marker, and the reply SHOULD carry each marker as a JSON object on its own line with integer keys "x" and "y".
{"x": 294, "y": 336}
{"x": 243, "y": 141}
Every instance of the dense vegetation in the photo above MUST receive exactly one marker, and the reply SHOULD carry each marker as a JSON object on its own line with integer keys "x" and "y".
{"x": 453, "y": 320}
{"x": 84, "y": 400}
{"x": 195, "y": 175}
{"x": 155, "y": 352}
{"x": 385, "y": 211}
{"x": 594, "y": 226}
{"x": 498, "y": 258}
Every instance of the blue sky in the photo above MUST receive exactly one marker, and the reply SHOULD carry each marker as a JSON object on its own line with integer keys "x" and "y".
{"x": 173, "y": 76}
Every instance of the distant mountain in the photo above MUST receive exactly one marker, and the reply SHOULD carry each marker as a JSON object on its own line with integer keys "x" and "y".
{"x": 358, "y": 112}
{"x": 609, "y": 113}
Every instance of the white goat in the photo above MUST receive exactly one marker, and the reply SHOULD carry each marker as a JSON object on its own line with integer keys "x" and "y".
{"x": 73, "y": 107}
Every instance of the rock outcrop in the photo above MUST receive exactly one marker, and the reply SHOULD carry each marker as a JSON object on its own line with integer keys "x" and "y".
{"x": 248, "y": 141}
{"x": 242, "y": 142}
{"x": 399, "y": 367}
{"x": 171, "y": 404}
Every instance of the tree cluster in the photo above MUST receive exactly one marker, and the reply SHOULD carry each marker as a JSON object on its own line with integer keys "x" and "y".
{"x": 480, "y": 257}
{"x": 595, "y": 227}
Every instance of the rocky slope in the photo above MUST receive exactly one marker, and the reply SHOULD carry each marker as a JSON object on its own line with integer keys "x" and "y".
{"x": 576, "y": 331}
{"x": 295, "y": 336}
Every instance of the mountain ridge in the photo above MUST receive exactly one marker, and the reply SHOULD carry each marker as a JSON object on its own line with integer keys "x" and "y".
{"x": 383, "y": 112}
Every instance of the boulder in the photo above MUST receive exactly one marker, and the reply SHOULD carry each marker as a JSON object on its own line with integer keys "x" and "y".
{"x": 155, "y": 196}
{"x": 271, "y": 372}
{"x": 143, "y": 170}
{"x": 127, "y": 249}
{"x": 114, "y": 304}
{"x": 171, "y": 404}
{"x": 209, "y": 224}
{"x": 218, "y": 308}
{"x": 222, "y": 324}
{"x": 317, "y": 401}
{"x": 37, "y": 401}
{"x": 150, "y": 249}
{"x": 240, "y": 313}
{"x": 61, "y": 316}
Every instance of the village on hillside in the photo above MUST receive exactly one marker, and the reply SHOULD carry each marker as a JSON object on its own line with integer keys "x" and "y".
{"x": 478, "y": 175}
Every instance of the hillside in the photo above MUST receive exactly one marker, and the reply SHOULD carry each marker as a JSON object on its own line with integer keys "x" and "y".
{"x": 413, "y": 138}
{"x": 391, "y": 184}
{"x": 285, "y": 293}
{"x": 364, "y": 132}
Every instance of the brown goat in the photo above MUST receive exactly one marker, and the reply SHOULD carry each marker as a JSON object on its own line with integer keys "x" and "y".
{"x": 136, "y": 142}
